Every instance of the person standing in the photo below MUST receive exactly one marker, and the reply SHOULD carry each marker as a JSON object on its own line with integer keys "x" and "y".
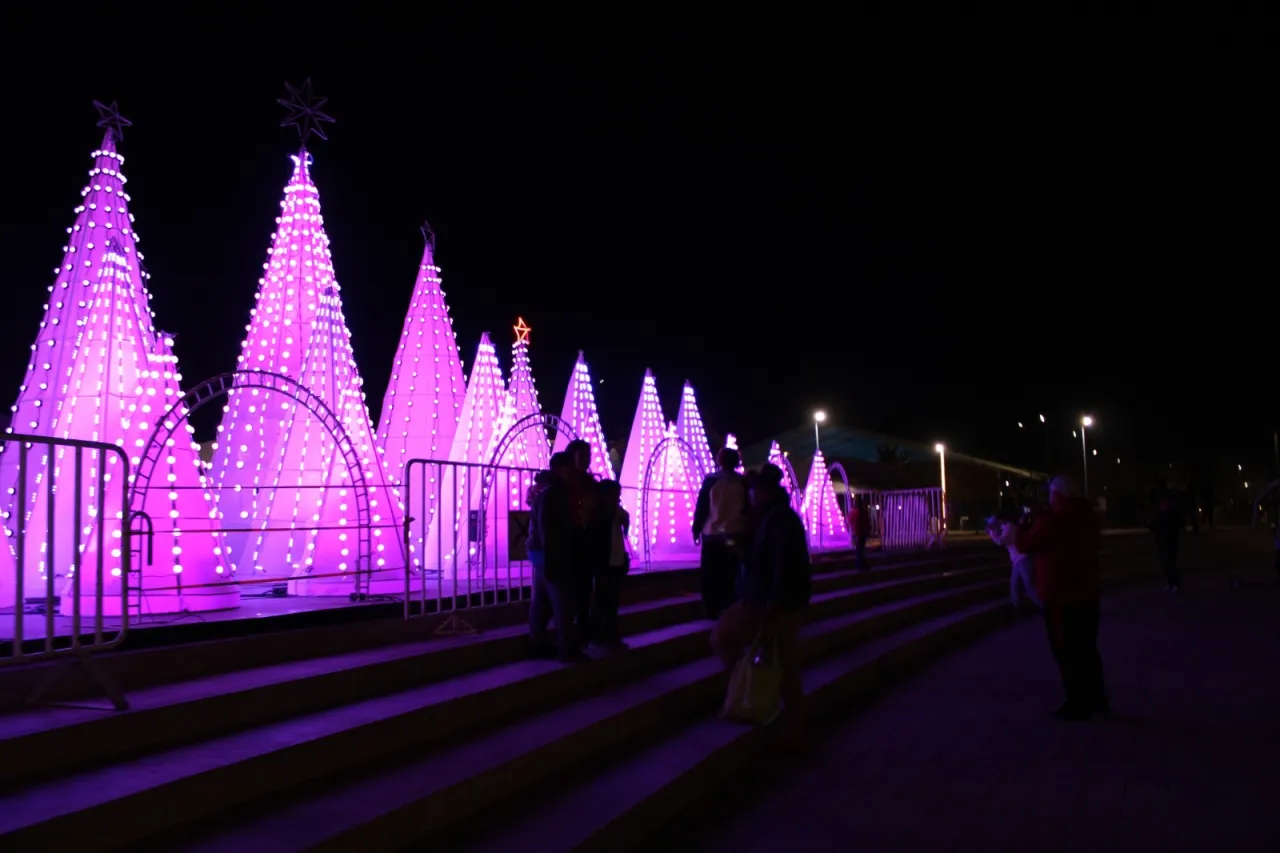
{"x": 550, "y": 546}
{"x": 1022, "y": 583}
{"x": 860, "y": 526}
{"x": 1064, "y": 542}
{"x": 582, "y": 501}
{"x": 777, "y": 584}
{"x": 612, "y": 560}
{"x": 720, "y": 525}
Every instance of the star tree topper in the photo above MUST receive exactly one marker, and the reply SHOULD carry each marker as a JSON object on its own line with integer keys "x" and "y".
{"x": 522, "y": 331}
{"x": 429, "y": 234}
{"x": 304, "y": 111}
{"x": 109, "y": 118}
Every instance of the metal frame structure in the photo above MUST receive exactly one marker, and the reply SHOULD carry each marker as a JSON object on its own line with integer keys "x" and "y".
{"x": 223, "y": 384}
{"x": 75, "y": 646}
{"x": 836, "y": 468}
{"x": 690, "y": 462}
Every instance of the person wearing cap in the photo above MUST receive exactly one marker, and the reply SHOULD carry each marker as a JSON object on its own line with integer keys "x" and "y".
{"x": 1064, "y": 542}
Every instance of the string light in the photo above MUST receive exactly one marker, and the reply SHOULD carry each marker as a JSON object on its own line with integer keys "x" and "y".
{"x": 669, "y": 526}
{"x": 821, "y": 512}
{"x": 777, "y": 457}
{"x": 283, "y": 478}
{"x": 101, "y": 371}
{"x": 731, "y": 442}
{"x": 528, "y": 448}
{"x": 646, "y": 432}
{"x": 581, "y": 414}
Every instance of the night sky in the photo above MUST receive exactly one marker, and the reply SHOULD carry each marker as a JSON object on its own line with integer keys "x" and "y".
{"x": 932, "y": 236}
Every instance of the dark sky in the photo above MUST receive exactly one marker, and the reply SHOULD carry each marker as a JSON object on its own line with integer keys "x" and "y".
{"x": 933, "y": 235}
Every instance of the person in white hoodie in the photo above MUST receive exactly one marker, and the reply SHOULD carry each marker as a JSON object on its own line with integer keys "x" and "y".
{"x": 1022, "y": 582}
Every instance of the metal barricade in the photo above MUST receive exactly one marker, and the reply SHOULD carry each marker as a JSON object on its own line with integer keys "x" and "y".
{"x": 48, "y": 533}
{"x": 908, "y": 520}
{"x": 465, "y": 531}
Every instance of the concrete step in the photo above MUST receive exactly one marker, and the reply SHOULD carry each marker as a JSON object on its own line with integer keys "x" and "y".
{"x": 436, "y": 792}
{"x": 41, "y": 742}
{"x": 622, "y": 806}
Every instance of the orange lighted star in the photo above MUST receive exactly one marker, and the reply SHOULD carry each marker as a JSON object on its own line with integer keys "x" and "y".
{"x": 522, "y": 331}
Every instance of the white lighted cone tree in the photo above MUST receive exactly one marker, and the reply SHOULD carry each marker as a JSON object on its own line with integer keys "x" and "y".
{"x": 424, "y": 397}
{"x": 101, "y": 372}
{"x": 581, "y": 414}
{"x": 647, "y": 432}
{"x": 451, "y": 537}
{"x": 822, "y": 516}
{"x": 776, "y": 457}
{"x": 690, "y": 429}
{"x": 285, "y": 486}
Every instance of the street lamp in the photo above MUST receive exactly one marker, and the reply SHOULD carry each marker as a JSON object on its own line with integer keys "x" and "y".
{"x": 1085, "y": 423}
{"x": 942, "y": 469}
{"x": 818, "y": 417}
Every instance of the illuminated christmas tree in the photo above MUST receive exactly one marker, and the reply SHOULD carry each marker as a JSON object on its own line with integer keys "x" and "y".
{"x": 285, "y": 482}
{"x": 101, "y": 372}
{"x": 528, "y": 448}
{"x": 821, "y": 511}
{"x": 691, "y": 431}
{"x": 580, "y": 413}
{"x": 460, "y": 486}
{"x": 646, "y": 433}
{"x": 731, "y": 442}
{"x": 424, "y": 398}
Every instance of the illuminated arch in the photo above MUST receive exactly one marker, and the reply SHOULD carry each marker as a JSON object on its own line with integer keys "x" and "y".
{"x": 836, "y": 468}
{"x": 690, "y": 460}
{"x": 543, "y": 419}
{"x": 221, "y": 385}
{"x": 796, "y": 492}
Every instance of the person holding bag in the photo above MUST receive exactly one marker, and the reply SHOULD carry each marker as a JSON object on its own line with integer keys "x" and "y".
{"x": 758, "y": 637}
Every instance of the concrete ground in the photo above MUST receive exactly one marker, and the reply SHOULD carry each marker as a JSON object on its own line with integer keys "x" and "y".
{"x": 963, "y": 757}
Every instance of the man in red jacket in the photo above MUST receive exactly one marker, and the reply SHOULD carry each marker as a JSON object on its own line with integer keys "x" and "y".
{"x": 1064, "y": 542}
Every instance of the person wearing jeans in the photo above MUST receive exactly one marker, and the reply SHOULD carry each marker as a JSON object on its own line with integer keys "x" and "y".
{"x": 1022, "y": 581}
{"x": 550, "y": 548}
{"x": 611, "y": 560}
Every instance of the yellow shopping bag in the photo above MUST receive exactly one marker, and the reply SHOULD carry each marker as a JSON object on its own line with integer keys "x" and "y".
{"x": 754, "y": 697}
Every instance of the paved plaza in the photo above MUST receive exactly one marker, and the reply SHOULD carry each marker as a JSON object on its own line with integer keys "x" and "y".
{"x": 963, "y": 756}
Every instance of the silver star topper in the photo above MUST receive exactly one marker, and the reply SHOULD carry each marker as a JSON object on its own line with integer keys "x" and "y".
{"x": 304, "y": 111}
{"x": 109, "y": 118}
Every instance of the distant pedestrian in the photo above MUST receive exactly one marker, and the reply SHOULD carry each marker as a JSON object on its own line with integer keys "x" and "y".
{"x": 1166, "y": 525}
{"x": 720, "y": 527}
{"x": 860, "y": 526}
{"x": 1003, "y": 530}
{"x": 1064, "y": 542}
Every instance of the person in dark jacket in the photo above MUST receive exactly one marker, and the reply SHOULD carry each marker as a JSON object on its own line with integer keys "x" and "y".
{"x": 720, "y": 527}
{"x": 776, "y": 586}
{"x": 582, "y": 502}
{"x": 1064, "y": 543}
{"x": 1166, "y": 525}
{"x": 860, "y": 527}
{"x": 550, "y": 548}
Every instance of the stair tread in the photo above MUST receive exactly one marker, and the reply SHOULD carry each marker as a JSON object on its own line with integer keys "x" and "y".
{"x": 349, "y": 804}
{"x": 584, "y": 807}
{"x": 36, "y": 803}
{"x": 28, "y": 722}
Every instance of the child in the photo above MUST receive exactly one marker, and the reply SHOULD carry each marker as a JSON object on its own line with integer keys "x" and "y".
{"x": 1022, "y": 581}
{"x": 612, "y": 560}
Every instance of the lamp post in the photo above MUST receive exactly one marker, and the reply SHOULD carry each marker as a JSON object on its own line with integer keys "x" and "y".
{"x": 942, "y": 469}
{"x": 1085, "y": 423}
{"x": 818, "y": 417}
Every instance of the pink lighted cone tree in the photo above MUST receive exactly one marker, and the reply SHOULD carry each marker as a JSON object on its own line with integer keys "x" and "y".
{"x": 529, "y": 447}
{"x": 101, "y": 372}
{"x": 647, "y": 432}
{"x": 691, "y": 431}
{"x": 581, "y": 414}
{"x": 424, "y": 397}
{"x": 822, "y": 516}
{"x": 776, "y": 457}
{"x": 285, "y": 486}
{"x": 460, "y": 487}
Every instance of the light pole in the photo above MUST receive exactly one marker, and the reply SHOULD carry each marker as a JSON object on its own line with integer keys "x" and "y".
{"x": 1085, "y": 423}
{"x": 942, "y": 469}
{"x": 818, "y": 417}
